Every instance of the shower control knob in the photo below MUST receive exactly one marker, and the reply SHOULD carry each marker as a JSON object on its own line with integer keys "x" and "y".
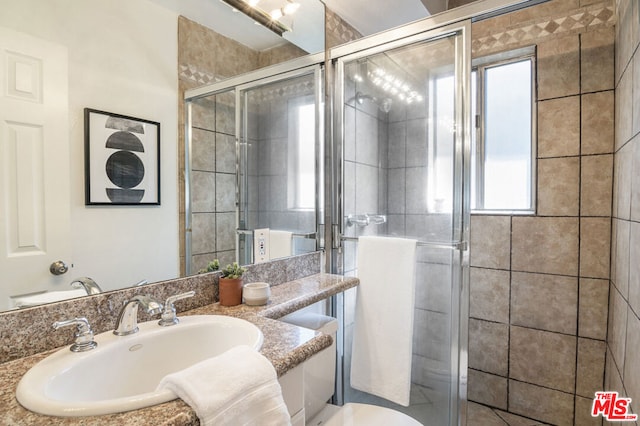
{"x": 58, "y": 268}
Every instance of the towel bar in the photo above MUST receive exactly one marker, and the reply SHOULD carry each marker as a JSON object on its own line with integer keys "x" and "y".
{"x": 453, "y": 245}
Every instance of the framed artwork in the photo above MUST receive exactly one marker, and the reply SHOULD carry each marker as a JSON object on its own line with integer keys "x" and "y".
{"x": 122, "y": 159}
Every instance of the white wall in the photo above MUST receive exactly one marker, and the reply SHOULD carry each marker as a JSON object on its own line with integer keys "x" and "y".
{"x": 122, "y": 59}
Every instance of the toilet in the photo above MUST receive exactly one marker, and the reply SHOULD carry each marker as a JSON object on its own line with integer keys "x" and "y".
{"x": 319, "y": 382}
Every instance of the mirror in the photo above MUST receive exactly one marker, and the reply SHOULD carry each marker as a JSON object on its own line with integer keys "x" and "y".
{"x": 120, "y": 57}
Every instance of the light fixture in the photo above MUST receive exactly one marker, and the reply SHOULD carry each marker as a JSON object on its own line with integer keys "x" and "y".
{"x": 394, "y": 86}
{"x": 290, "y": 8}
{"x": 276, "y": 14}
{"x": 252, "y": 3}
{"x": 258, "y": 15}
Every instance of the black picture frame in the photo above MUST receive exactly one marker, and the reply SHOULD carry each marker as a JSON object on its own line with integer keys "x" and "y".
{"x": 122, "y": 159}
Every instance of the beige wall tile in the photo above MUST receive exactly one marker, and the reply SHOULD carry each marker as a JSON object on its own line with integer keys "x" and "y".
{"x": 548, "y": 405}
{"x": 488, "y": 389}
{"x": 634, "y": 267}
{"x": 616, "y": 336}
{"x": 482, "y": 416}
{"x": 597, "y": 123}
{"x": 545, "y": 302}
{"x": 623, "y": 170}
{"x": 612, "y": 377}
{"x": 543, "y": 358}
{"x": 204, "y": 185}
{"x": 559, "y": 67}
{"x": 490, "y": 241}
{"x": 635, "y": 177}
{"x": 632, "y": 359}
{"x": 545, "y": 245}
{"x": 590, "y": 370}
{"x": 488, "y": 346}
{"x": 489, "y": 295}
{"x": 624, "y": 108}
{"x": 583, "y": 413}
{"x": 558, "y": 186}
{"x": 621, "y": 261}
{"x": 559, "y": 127}
{"x": 597, "y": 56}
{"x": 593, "y": 305}
{"x": 204, "y": 231}
{"x": 636, "y": 99}
{"x": 595, "y": 237}
{"x": 626, "y": 33}
{"x": 596, "y": 185}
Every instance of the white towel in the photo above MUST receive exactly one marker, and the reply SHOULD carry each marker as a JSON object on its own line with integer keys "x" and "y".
{"x": 383, "y": 330}
{"x": 238, "y": 387}
{"x": 280, "y": 243}
{"x": 46, "y": 297}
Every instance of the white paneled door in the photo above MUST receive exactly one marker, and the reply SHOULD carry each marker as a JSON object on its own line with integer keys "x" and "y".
{"x": 34, "y": 165}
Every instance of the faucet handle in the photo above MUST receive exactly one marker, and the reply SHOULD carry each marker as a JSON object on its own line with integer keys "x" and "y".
{"x": 169, "y": 312}
{"x": 84, "y": 334}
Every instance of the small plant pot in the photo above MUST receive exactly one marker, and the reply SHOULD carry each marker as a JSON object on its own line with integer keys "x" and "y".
{"x": 230, "y": 291}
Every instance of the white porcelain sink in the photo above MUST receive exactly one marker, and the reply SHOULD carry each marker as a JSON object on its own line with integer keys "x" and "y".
{"x": 122, "y": 373}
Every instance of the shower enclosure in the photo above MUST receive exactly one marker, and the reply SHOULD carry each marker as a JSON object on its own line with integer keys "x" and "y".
{"x": 394, "y": 161}
{"x": 400, "y": 148}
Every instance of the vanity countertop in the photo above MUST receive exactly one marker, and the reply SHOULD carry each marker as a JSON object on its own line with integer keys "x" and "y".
{"x": 284, "y": 345}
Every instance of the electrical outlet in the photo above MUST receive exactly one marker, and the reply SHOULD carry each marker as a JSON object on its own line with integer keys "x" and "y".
{"x": 260, "y": 245}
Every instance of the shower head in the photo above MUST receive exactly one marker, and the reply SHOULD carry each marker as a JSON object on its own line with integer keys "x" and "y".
{"x": 384, "y": 105}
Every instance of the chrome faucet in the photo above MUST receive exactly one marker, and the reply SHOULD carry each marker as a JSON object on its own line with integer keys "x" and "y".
{"x": 84, "y": 335}
{"x": 88, "y": 284}
{"x": 127, "y": 322}
{"x": 169, "y": 312}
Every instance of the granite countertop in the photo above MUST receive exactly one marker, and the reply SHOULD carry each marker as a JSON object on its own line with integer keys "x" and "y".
{"x": 284, "y": 345}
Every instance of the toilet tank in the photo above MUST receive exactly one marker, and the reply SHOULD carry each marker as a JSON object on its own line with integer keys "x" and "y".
{"x": 320, "y": 369}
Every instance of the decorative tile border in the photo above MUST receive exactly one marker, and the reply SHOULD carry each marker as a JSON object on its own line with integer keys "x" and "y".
{"x": 576, "y": 22}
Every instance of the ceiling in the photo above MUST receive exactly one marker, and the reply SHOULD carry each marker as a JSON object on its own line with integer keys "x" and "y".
{"x": 372, "y": 16}
{"x": 367, "y": 16}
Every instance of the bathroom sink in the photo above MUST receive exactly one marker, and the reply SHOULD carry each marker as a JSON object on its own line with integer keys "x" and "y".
{"x": 122, "y": 372}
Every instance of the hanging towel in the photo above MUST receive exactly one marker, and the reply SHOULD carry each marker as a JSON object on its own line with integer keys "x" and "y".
{"x": 46, "y": 297}
{"x": 280, "y": 244}
{"x": 383, "y": 329}
{"x": 238, "y": 387}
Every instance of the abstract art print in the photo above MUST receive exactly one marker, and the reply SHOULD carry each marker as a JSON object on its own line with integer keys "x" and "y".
{"x": 122, "y": 159}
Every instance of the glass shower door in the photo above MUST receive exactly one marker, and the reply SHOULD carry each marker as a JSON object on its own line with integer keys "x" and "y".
{"x": 402, "y": 124}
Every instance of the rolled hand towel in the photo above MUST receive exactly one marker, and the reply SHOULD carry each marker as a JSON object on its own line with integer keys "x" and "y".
{"x": 238, "y": 387}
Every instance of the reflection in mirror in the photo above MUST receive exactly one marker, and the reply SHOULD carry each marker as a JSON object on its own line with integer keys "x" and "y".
{"x": 279, "y": 145}
{"x": 276, "y": 163}
{"x": 121, "y": 57}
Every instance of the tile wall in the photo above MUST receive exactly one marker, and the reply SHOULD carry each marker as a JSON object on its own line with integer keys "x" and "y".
{"x": 623, "y": 358}
{"x": 540, "y": 283}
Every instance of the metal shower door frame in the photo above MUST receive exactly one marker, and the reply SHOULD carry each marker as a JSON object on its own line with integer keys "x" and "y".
{"x": 421, "y": 31}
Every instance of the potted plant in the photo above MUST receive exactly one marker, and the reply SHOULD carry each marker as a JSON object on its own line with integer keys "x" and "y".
{"x": 230, "y": 285}
{"x": 212, "y": 266}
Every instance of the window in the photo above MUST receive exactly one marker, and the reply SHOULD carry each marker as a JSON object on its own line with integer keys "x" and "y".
{"x": 301, "y": 180}
{"x": 503, "y": 152}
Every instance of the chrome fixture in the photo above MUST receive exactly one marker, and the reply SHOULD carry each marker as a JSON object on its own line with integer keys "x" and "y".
{"x": 84, "y": 335}
{"x": 88, "y": 284}
{"x": 127, "y": 322}
{"x": 384, "y": 105}
{"x": 169, "y": 312}
{"x": 141, "y": 282}
{"x": 258, "y": 15}
{"x": 366, "y": 219}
